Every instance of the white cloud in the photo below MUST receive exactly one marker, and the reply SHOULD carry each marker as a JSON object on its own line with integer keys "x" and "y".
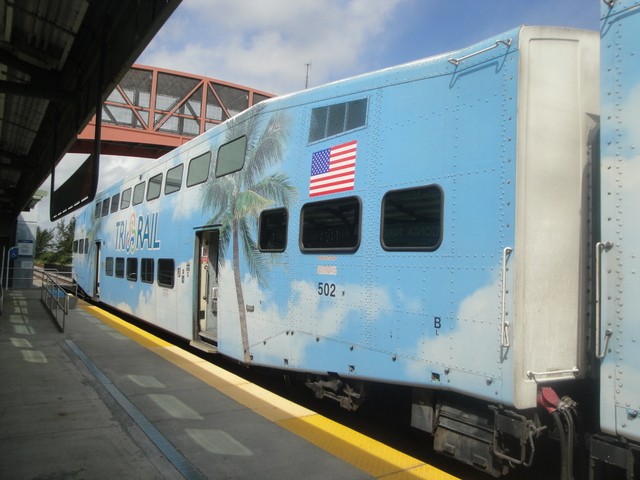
{"x": 113, "y": 169}
{"x": 267, "y": 326}
{"x": 266, "y": 44}
{"x": 477, "y": 320}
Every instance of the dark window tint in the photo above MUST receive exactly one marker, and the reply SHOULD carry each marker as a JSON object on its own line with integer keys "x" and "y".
{"x": 146, "y": 270}
{"x": 75, "y": 246}
{"x": 338, "y": 118}
{"x": 273, "y": 230}
{"x": 120, "y": 267}
{"x": 231, "y": 157}
{"x": 412, "y": 219}
{"x": 132, "y": 269}
{"x": 198, "y": 169}
{"x": 166, "y": 269}
{"x": 81, "y": 245}
{"x": 98, "y": 209}
{"x": 138, "y": 193}
{"x": 114, "y": 202}
{"x": 108, "y": 266}
{"x": 155, "y": 186}
{"x": 105, "y": 207}
{"x": 174, "y": 179}
{"x": 126, "y": 199}
{"x": 331, "y": 225}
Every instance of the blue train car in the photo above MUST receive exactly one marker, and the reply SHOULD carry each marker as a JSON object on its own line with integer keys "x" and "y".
{"x": 430, "y": 225}
{"x": 618, "y": 252}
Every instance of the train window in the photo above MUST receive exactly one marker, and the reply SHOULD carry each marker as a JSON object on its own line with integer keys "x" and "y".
{"x": 146, "y": 270}
{"x": 115, "y": 200}
{"x": 155, "y": 186}
{"x": 75, "y": 246}
{"x": 119, "y": 267}
{"x": 98, "y": 209}
{"x": 412, "y": 219}
{"x": 166, "y": 267}
{"x": 198, "y": 169}
{"x": 132, "y": 269}
{"x": 272, "y": 235}
{"x": 105, "y": 207}
{"x": 138, "y": 193}
{"x": 81, "y": 245}
{"x": 231, "y": 156}
{"x": 174, "y": 179}
{"x": 86, "y": 245}
{"x": 126, "y": 199}
{"x": 332, "y": 225}
{"x": 338, "y": 118}
{"x": 108, "y": 266}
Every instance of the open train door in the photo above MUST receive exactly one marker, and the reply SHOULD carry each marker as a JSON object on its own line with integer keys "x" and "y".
{"x": 96, "y": 282}
{"x": 206, "y": 311}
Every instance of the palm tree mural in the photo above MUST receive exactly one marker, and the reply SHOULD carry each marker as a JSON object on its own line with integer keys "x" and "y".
{"x": 237, "y": 199}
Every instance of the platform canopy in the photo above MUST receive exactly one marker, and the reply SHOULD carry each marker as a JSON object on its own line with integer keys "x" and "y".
{"x": 58, "y": 60}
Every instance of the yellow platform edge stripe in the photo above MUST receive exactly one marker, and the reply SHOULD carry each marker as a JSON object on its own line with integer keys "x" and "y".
{"x": 365, "y": 453}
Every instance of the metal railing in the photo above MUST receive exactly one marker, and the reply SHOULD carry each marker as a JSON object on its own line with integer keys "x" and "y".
{"x": 59, "y": 293}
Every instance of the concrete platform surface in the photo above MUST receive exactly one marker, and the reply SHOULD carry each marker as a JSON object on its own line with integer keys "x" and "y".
{"x": 58, "y": 420}
{"x": 106, "y": 400}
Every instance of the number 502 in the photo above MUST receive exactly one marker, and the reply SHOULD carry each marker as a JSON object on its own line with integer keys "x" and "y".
{"x": 327, "y": 289}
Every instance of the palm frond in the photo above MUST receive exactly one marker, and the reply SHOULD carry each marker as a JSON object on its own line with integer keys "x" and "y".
{"x": 255, "y": 260}
{"x": 250, "y": 204}
{"x": 268, "y": 149}
{"x": 218, "y": 196}
{"x": 277, "y": 188}
{"x": 226, "y": 224}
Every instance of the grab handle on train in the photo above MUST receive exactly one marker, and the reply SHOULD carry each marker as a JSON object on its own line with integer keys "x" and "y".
{"x": 504, "y": 328}
{"x": 456, "y": 61}
{"x": 600, "y": 352}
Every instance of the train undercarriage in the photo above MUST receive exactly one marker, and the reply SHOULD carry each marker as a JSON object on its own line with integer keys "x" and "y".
{"x": 560, "y": 433}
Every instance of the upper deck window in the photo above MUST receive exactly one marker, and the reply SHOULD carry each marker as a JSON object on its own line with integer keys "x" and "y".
{"x": 138, "y": 193}
{"x": 126, "y": 199}
{"x": 114, "y": 202}
{"x": 231, "y": 156}
{"x": 105, "y": 207}
{"x": 174, "y": 179}
{"x": 338, "y": 118}
{"x": 155, "y": 186}
{"x": 198, "y": 171}
{"x": 412, "y": 219}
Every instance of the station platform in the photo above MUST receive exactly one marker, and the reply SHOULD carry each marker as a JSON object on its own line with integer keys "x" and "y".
{"x": 105, "y": 400}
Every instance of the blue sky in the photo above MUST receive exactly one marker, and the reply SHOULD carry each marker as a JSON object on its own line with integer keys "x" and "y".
{"x": 265, "y": 44}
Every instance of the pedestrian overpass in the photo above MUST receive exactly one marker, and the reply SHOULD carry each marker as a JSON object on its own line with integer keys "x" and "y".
{"x": 153, "y": 110}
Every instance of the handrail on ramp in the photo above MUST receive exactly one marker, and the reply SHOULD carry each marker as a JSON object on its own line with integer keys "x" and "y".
{"x": 57, "y": 296}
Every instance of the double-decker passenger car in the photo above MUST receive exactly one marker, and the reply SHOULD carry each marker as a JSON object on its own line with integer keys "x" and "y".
{"x": 447, "y": 225}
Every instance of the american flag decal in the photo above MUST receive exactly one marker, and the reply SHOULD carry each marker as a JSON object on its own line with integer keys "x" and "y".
{"x": 333, "y": 170}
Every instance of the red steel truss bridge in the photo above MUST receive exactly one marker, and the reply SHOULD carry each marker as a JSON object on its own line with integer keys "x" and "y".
{"x": 154, "y": 110}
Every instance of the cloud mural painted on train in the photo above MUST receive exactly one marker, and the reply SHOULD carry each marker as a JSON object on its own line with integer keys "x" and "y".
{"x": 267, "y": 335}
{"x": 236, "y": 200}
{"x": 477, "y": 318}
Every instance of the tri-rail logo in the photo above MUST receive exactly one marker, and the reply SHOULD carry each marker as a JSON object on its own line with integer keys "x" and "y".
{"x": 140, "y": 232}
